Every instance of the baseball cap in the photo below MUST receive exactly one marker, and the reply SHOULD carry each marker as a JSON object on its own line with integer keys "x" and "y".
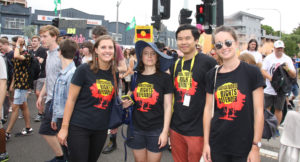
{"x": 278, "y": 44}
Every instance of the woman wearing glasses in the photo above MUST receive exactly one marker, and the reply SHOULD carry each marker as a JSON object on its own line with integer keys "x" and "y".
{"x": 233, "y": 127}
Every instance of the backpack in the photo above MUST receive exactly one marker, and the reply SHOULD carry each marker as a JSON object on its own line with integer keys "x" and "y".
{"x": 34, "y": 70}
{"x": 281, "y": 82}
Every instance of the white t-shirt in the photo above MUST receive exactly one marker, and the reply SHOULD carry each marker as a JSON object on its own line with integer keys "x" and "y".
{"x": 270, "y": 63}
{"x": 3, "y": 73}
{"x": 255, "y": 54}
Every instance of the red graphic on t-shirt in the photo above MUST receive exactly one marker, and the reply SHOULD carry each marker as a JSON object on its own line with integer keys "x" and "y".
{"x": 103, "y": 90}
{"x": 146, "y": 95}
{"x": 184, "y": 86}
{"x": 230, "y": 99}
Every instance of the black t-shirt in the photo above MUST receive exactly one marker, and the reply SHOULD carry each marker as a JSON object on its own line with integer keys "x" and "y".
{"x": 10, "y": 67}
{"x": 149, "y": 97}
{"x": 42, "y": 53}
{"x": 232, "y": 127}
{"x": 188, "y": 120}
{"x": 92, "y": 107}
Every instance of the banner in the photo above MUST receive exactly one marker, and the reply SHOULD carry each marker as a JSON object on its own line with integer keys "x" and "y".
{"x": 144, "y": 33}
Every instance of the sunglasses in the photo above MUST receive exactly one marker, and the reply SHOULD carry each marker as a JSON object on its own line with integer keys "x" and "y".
{"x": 219, "y": 45}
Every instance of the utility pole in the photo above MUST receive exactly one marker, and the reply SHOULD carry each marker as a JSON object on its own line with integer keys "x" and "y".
{"x": 117, "y": 23}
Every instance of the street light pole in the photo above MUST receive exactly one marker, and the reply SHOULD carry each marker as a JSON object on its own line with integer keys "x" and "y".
{"x": 274, "y": 9}
{"x": 117, "y": 23}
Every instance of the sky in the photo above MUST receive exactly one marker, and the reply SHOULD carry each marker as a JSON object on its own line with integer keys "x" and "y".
{"x": 142, "y": 10}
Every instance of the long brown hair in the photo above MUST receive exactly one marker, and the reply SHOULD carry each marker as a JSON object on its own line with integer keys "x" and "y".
{"x": 94, "y": 64}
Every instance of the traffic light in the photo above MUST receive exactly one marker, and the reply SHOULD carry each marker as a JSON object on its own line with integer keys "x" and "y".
{"x": 156, "y": 25}
{"x": 55, "y": 22}
{"x": 184, "y": 16}
{"x": 200, "y": 16}
{"x": 161, "y": 8}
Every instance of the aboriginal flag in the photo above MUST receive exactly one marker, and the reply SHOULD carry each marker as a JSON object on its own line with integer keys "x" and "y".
{"x": 143, "y": 33}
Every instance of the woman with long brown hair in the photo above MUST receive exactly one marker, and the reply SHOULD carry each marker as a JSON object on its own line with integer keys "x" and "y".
{"x": 86, "y": 116}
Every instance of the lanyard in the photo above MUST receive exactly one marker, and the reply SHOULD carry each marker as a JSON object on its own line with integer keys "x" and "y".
{"x": 191, "y": 68}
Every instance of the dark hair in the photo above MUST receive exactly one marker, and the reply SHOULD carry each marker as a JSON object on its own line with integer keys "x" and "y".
{"x": 193, "y": 29}
{"x": 15, "y": 39}
{"x": 88, "y": 45}
{"x": 99, "y": 30}
{"x": 132, "y": 51}
{"x": 253, "y": 40}
{"x": 68, "y": 48}
{"x": 141, "y": 66}
{"x": 94, "y": 64}
{"x": 223, "y": 28}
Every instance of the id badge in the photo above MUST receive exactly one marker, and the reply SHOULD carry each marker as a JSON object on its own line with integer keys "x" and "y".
{"x": 186, "y": 100}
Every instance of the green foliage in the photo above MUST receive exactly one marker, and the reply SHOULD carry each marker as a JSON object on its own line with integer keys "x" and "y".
{"x": 29, "y": 31}
{"x": 269, "y": 30}
{"x": 291, "y": 46}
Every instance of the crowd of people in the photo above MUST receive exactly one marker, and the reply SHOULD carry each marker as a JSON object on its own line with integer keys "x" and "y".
{"x": 195, "y": 104}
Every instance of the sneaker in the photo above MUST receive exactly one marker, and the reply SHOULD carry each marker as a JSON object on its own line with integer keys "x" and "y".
{"x": 24, "y": 132}
{"x": 20, "y": 116}
{"x": 4, "y": 157}
{"x": 277, "y": 134}
{"x": 38, "y": 118}
{"x": 292, "y": 103}
{"x": 7, "y": 136}
{"x": 10, "y": 109}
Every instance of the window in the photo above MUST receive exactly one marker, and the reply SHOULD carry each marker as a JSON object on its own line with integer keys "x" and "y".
{"x": 14, "y": 23}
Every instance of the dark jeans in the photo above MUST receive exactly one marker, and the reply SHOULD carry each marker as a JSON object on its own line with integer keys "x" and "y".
{"x": 64, "y": 148}
{"x": 85, "y": 145}
{"x": 218, "y": 157}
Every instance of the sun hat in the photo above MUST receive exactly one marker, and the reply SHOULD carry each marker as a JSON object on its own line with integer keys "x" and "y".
{"x": 165, "y": 60}
{"x": 279, "y": 44}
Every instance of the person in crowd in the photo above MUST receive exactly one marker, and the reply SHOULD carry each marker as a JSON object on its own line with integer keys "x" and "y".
{"x": 87, "y": 112}
{"x": 87, "y": 51}
{"x": 8, "y": 55}
{"x": 188, "y": 74}
{"x": 233, "y": 116}
{"x": 130, "y": 64}
{"x": 122, "y": 68}
{"x": 295, "y": 89}
{"x": 3, "y": 85}
{"x": 252, "y": 49}
{"x": 153, "y": 98}
{"x": 213, "y": 54}
{"x": 270, "y": 63}
{"x": 67, "y": 50}
{"x": 49, "y": 35}
{"x": 21, "y": 85}
{"x": 41, "y": 54}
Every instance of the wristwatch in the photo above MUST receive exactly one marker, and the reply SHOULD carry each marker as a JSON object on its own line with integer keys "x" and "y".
{"x": 258, "y": 144}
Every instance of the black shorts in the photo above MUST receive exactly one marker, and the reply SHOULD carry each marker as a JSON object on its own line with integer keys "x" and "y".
{"x": 275, "y": 101}
{"x": 45, "y": 128}
{"x": 145, "y": 140}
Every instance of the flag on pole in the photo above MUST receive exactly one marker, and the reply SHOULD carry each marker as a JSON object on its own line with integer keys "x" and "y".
{"x": 131, "y": 25}
{"x": 55, "y": 3}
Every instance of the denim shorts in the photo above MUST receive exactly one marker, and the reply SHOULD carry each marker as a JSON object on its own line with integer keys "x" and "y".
{"x": 20, "y": 96}
{"x": 145, "y": 140}
{"x": 295, "y": 90}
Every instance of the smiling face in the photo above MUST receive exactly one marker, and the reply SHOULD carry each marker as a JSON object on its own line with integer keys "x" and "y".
{"x": 186, "y": 42}
{"x": 228, "y": 45}
{"x": 105, "y": 50}
{"x": 149, "y": 56}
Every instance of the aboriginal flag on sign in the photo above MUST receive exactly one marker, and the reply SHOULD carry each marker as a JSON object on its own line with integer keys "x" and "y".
{"x": 143, "y": 33}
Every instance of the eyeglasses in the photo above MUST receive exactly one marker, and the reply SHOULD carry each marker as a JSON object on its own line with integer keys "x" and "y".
{"x": 219, "y": 45}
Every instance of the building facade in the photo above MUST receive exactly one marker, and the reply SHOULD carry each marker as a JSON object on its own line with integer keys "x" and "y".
{"x": 14, "y": 17}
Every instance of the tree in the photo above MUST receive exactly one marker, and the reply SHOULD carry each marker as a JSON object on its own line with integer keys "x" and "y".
{"x": 291, "y": 46}
{"x": 297, "y": 30}
{"x": 29, "y": 31}
{"x": 269, "y": 30}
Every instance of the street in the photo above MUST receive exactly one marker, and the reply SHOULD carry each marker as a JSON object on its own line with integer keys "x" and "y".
{"x": 34, "y": 149}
